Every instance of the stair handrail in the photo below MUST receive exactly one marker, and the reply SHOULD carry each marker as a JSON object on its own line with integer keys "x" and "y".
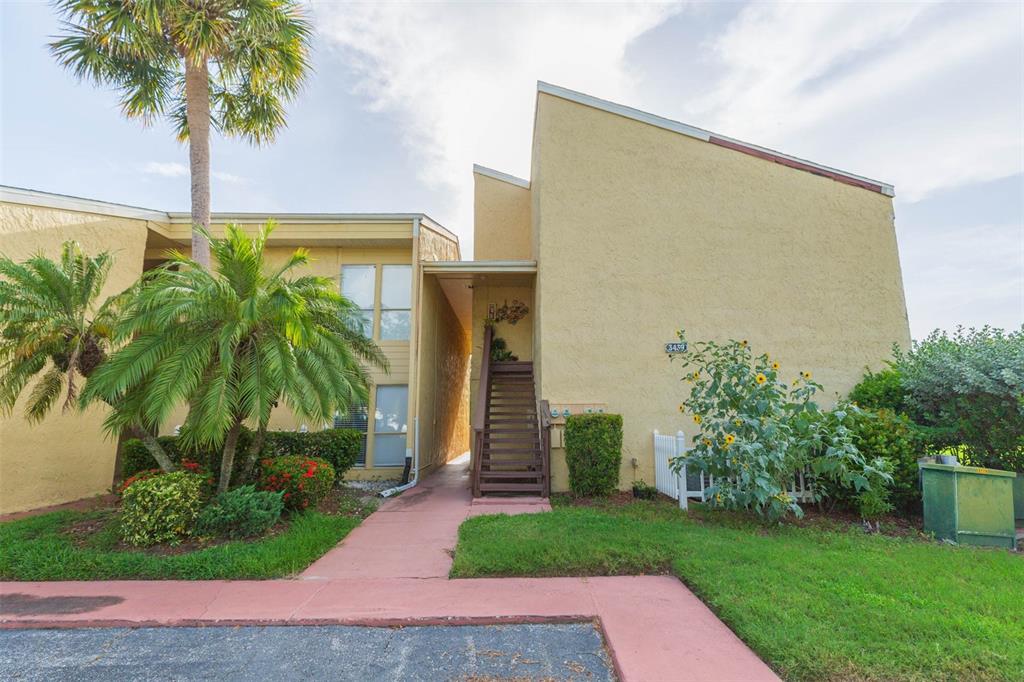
{"x": 482, "y": 398}
{"x": 544, "y": 421}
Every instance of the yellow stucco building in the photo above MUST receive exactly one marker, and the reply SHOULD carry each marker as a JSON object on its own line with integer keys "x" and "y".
{"x": 630, "y": 227}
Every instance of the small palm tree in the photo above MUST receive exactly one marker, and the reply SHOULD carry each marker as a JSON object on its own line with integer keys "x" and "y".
{"x": 232, "y": 63}
{"x": 232, "y": 343}
{"x": 53, "y": 330}
{"x": 52, "y": 327}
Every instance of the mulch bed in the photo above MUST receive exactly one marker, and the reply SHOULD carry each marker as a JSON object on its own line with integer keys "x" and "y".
{"x": 343, "y": 501}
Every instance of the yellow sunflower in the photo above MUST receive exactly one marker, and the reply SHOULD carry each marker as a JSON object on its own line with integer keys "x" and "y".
{"x": 737, "y": 422}
{"x": 682, "y": 408}
{"x": 729, "y": 439}
{"x": 805, "y": 375}
{"x": 760, "y": 378}
{"x": 696, "y": 375}
{"x": 697, "y": 419}
{"x": 707, "y": 443}
{"x": 743, "y": 343}
{"x": 775, "y": 366}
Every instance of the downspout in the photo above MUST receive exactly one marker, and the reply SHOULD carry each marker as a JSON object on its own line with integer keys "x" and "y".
{"x": 414, "y": 385}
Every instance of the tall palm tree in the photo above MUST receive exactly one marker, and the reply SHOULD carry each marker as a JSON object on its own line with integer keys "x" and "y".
{"x": 232, "y": 343}
{"x": 232, "y": 63}
{"x": 53, "y": 330}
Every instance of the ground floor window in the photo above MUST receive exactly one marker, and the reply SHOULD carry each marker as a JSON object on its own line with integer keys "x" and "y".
{"x": 356, "y": 418}
{"x": 390, "y": 425}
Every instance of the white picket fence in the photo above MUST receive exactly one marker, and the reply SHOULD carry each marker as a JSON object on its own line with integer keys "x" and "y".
{"x": 682, "y": 486}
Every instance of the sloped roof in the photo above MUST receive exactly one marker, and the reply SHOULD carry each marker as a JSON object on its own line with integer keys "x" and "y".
{"x": 716, "y": 139}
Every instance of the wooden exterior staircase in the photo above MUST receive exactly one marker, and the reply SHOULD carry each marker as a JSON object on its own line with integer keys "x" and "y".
{"x": 512, "y": 447}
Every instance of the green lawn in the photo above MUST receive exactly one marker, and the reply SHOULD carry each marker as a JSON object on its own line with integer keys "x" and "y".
{"x": 816, "y": 603}
{"x": 39, "y": 548}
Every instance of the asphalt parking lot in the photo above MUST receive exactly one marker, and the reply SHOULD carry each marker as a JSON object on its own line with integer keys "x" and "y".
{"x": 474, "y": 653}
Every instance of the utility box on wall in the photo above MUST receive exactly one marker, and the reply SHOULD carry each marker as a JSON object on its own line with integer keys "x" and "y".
{"x": 559, "y": 413}
{"x": 969, "y": 505}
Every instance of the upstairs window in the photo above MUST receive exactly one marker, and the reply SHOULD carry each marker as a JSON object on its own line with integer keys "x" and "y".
{"x": 359, "y": 285}
{"x": 395, "y": 302}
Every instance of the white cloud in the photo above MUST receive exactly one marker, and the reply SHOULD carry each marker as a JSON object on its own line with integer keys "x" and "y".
{"x": 171, "y": 169}
{"x": 166, "y": 169}
{"x": 913, "y": 93}
{"x": 461, "y": 78}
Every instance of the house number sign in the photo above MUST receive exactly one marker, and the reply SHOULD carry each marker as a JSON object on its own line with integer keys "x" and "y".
{"x": 676, "y": 347}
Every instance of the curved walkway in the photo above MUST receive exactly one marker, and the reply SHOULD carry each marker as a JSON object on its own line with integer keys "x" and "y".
{"x": 392, "y": 571}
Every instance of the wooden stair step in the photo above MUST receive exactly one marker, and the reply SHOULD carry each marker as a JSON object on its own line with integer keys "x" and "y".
{"x": 488, "y": 461}
{"x": 511, "y": 487}
{"x": 510, "y": 474}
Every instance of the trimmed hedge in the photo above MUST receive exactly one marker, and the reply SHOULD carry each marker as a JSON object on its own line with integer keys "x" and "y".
{"x": 593, "y": 451}
{"x": 340, "y": 447}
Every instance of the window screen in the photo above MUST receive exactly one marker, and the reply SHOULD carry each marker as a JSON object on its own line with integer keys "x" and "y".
{"x": 395, "y": 302}
{"x": 356, "y": 418}
{"x": 359, "y": 285}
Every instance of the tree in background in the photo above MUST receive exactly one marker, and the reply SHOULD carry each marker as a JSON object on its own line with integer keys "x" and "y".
{"x": 230, "y": 63}
{"x": 231, "y": 343}
{"x": 971, "y": 384}
{"x": 54, "y": 329}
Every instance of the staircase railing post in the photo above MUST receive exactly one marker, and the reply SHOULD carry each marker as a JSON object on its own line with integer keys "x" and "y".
{"x": 544, "y": 420}
{"x": 482, "y": 405}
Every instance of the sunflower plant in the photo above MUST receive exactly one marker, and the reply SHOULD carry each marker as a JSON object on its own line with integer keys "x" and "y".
{"x": 756, "y": 430}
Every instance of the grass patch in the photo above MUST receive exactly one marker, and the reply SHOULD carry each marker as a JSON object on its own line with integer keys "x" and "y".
{"x": 817, "y": 602}
{"x": 68, "y": 545}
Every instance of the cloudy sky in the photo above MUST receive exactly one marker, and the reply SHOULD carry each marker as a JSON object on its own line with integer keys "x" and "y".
{"x": 406, "y": 97}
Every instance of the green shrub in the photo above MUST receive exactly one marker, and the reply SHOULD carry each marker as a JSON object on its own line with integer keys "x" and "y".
{"x": 340, "y": 447}
{"x": 161, "y": 509}
{"x": 643, "y": 491}
{"x": 240, "y": 513}
{"x": 593, "y": 451}
{"x": 135, "y": 457}
{"x": 896, "y": 439}
{"x": 304, "y": 481}
{"x": 881, "y": 391}
{"x": 971, "y": 383}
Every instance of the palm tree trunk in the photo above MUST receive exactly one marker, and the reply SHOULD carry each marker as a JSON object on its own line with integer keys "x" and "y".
{"x": 197, "y": 111}
{"x": 154, "y": 447}
{"x": 255, "y": 448}
{"x": 227, "y": 460}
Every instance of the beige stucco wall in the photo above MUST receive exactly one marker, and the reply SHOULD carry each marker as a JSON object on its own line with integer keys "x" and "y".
{"x": 642, "y": 231}
{"x": 501, "y": 220}
{"x": 443, "y": 380}
{"x": 65, "y": 457}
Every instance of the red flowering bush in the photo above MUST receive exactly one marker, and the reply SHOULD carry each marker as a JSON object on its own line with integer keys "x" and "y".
{"x": 303, "y": 480}
{"x": 140, "y": 476}
{"x": 187, "y": 465}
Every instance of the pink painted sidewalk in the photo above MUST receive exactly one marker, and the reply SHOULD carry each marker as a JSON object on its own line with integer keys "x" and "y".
{"x": 392, "y": 571}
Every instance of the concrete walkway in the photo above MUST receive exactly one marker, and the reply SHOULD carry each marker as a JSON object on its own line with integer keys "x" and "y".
{"x": 414, "y": 534}
{"x": 392, "y": 571}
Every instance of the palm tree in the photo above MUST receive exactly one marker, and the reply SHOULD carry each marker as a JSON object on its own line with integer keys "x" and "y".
{"x": 232, "y": 343}
{"x": 53, "y": 331}
{"x": 232, "y": 63}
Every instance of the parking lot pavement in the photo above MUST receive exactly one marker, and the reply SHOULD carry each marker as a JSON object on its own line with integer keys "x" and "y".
{"x": 322, "y": 652}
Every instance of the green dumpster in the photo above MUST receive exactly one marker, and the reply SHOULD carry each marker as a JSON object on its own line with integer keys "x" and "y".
{"x": 1018, "y": 497}
{"x": 968, "y": 505}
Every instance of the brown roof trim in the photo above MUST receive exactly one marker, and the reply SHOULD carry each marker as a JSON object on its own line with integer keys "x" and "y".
{"x": 793, "y": 163}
